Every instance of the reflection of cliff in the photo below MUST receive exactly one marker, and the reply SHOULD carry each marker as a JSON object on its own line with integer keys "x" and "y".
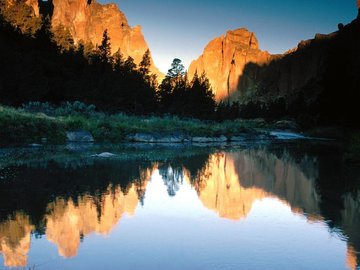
{"x": 350, "y": 223}
{"x": 231, "y": 182}
{"x": 15, "y": 240}
{"x": 67, "y": 221}
{"x": 291, "y": 181}
{"x": 227, "y": 183}
{"x": 219, "y": 188}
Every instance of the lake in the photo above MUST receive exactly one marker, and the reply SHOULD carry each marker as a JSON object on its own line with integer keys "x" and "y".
{"x": 255, "y": 205}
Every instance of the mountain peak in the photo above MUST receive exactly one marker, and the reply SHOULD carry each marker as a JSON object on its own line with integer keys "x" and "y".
{"x": 224, "y": 59}
{"x": 243, "y": 37}
{"x": 87, "y": 20}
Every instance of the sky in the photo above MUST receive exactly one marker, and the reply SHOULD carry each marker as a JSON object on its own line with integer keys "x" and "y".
{"x": 181, "y": 29}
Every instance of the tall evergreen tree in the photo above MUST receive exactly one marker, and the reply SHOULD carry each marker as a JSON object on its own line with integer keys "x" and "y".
{"x": 177, "y": 69}
{"x": 145, "y": 64}
{"x": 104, "y": 50}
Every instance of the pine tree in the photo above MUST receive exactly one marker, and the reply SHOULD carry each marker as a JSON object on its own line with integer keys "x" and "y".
{"x": 104, "y": 50}
{"x": 177, "y": 69}
{"x": 145, "y": 64}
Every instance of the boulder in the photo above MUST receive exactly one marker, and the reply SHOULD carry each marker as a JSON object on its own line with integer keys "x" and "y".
{"x": 220, "y": 139}
{"x": 79, "y": 136}
{"x": 105, "y": 155}
{"x": 156, "y": 138}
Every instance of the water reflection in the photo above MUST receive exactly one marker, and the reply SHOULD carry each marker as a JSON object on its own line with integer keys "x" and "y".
{"x": 219, "y": 188}
{"x": 15, "y": 240}
{"x": 78, "y": 201}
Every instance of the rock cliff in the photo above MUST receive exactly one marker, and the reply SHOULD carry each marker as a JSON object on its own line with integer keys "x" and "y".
{"x": 87, "y": 20}
{"x": 224, "y": 59}
{"x": 303, "y": 83}
{"x": 287, "y": 74}
{"x": 309, "y": 82}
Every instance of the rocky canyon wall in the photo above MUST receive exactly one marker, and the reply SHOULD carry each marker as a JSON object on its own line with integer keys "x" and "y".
{"x": 87, "y": 20}
{"x": 239, "y": 71}
{"x": 224, "y": 60}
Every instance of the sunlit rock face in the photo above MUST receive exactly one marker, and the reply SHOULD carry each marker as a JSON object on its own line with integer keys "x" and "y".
{"x": 35, "y": 6}
{"x": 32, "y": 3}
{"x": 224, "y": 59}
{"x": 15, "y": 240}
{"x": 87, "y": 21}
{"x": 230, "y": 183}
{"x": 219, "y": 188}
{"x": 67, "y": 221}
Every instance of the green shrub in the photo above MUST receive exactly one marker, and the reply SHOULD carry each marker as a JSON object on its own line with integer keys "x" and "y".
{"x": 36, "y": 120}
{"x": 18, "y": 127}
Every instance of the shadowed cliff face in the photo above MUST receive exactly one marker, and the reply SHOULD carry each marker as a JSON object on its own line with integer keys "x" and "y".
{"x": 319, "y": 76}
{"x": 239, "y": 70}
{"x": 224, "y": 59}
{"x": 305, "y": 83}
{"x": 286, "y": 75}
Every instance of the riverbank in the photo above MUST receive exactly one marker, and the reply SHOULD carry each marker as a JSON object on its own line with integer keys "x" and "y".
{"x": 18, "y": 126}
{"x": 78, "y": 123}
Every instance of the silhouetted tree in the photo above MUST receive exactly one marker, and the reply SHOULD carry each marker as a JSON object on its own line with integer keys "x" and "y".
{"x": 145, "y": 64}
{"x": 177, "y": 96}
{"x": 177, "y": 69}
{"x": 104, "y": 50}
{"x": 201, "y": 99}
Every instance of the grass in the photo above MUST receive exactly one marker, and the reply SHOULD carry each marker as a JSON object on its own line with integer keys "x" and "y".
{"x": 17, "y": 126}
{"x": 21, "y": 127}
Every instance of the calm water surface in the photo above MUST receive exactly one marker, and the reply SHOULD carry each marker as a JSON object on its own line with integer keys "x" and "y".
{"x": 260, "y": 206}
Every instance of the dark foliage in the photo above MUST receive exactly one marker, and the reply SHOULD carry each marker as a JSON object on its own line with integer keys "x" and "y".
{"x": 42, "y": 63}
{"x": 39, "y": 63}
{"x": 176, "y": 95}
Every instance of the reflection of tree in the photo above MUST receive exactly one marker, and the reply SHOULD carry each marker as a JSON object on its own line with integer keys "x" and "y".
{"x": 173, "y": 177}
{"x": 92, "y": 197}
